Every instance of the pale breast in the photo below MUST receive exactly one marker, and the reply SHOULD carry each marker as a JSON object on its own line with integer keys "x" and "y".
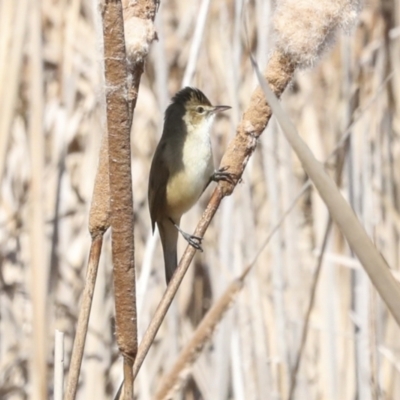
{"x": 187, "y": 185}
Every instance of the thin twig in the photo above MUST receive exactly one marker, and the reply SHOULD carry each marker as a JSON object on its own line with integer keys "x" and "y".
{"x": 59, "y": 365}
{"x": 83, "y": 319}
{"x": 196, "y": 42}
{"x": 39, "y": 266}
{"x": 313, "y": 291}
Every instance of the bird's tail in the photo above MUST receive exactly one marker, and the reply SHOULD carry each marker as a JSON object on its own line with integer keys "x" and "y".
{"x": 169, "y": 240}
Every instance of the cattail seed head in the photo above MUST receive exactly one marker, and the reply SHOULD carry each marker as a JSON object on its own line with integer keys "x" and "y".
{"x": 304, "y": 29}
{"x": 139, "y": 34}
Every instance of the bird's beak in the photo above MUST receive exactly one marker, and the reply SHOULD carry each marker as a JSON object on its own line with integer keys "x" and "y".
{"x": 217, "y": 109}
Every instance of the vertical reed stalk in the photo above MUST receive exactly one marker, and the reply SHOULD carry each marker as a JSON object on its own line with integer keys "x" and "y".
{"x": 39, "y": 268}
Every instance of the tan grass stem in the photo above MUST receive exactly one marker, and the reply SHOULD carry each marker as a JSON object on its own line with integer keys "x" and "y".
{"x": 83, "y": 318}
{"x": 39, "y": 265}
{"x": 10, "y": 72}
{"x": 58, "y": 365}
{"x": 196, "y": 43}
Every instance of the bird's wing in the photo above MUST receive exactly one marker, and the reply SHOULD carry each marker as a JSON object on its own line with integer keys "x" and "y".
{"x": 159, "y": 174}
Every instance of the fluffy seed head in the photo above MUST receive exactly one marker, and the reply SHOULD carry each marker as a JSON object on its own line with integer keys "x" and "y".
{"x": 139, "y": 34}
{"x": 304, "y": 29}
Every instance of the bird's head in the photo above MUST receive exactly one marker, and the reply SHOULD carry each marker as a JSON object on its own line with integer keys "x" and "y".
{"x": 196, "y": 109}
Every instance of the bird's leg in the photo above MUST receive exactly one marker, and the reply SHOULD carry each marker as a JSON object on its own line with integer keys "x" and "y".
{"x": 194, "y": 241}
{"x": 221, "y": 174}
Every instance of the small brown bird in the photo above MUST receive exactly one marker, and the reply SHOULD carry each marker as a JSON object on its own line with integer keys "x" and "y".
{"x": 182, "y": 168}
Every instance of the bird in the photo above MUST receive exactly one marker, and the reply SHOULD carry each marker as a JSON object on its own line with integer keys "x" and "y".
{"x": 182, "y": 167}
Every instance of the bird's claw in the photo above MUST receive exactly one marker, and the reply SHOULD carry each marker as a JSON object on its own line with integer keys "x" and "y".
{"x": 221, "y": 174}
{"x": 194, "y": 241}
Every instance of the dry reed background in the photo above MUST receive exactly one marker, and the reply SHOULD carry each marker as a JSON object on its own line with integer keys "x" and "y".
{"x": 51, "y": 124}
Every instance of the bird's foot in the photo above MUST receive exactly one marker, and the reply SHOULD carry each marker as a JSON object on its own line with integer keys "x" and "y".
{"x": 221, "y": 174}
{"x": 194, "y": 241}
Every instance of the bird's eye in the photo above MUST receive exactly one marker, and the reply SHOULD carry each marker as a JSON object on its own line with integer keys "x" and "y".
{"x": 200, "y": 110}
